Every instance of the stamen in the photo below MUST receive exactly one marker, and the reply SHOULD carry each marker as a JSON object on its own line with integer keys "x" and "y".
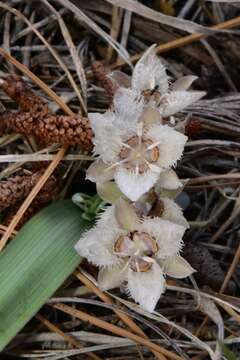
{"x": 137, "y": 265}
{"x": 116, "y": 164}
{"x": 148, "y": 259}
{"x": 150, "y": 147}
{"x": 126, "y": 145}
{"x": 140, "y": 131}
{"x": 126, "y": 265}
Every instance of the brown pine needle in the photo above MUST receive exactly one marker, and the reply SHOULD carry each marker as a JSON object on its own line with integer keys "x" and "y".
{"x": 183, "y": 41}
{"x": 48, "y": 172}
{"x": 115, "y": 330}
{"x": 37, "y": 81}
{"x": 59, "y": 156}
{"x": 66, "y": 337}
{"x": 104, "y": 297}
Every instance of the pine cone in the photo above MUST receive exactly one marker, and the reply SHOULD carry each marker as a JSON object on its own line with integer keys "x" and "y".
{"x": 101, "y": 73}
{"x": 17, "y": 188}
{"x": 36, "y": 118}
{"x": 208, "y": 269}
{"x": 27, "y": 100}
{"x": 17, "y": 121}
{"x": 48, "y": 193}
{"x": 69, "y": 130}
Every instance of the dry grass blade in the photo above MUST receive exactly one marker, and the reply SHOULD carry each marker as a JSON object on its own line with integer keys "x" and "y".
{"x": 86, "y": 20}
{"x": 55, "y": 161}
{"x": 104, "y": 297}
{"x": 115, "y": 330}
{"x": 78, "y": 64}
{"x": 45, "y": 42}
{"x": 185, "y": 40}
{"x": 148, "y": 13}
{"x": 37, "y": 81}
{"x": 231, "y": 270}
{"x": 49, "y": 171}
{"x": 70, "y": 339}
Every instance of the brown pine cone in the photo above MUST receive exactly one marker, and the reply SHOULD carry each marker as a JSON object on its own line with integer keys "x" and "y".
{"x": 47, "y": 194}
{"x": 68, "y": 130}
{"x": 209, "y": 272}
{"x": 27, "y": 100}
{"x": 101, "y": 73}
{"x": 16, "y": 121}
{"x": 16, "y": 188}
{"x": 36, "y": 118}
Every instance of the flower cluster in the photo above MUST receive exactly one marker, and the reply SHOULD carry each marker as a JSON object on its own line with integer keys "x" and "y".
{"x": 137, "y": 240}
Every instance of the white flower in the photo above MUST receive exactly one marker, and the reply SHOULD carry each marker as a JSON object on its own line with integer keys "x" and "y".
{"x": 138, "y": 251}
{"x": 132, "y": 150}
{"x": 149, "y": 79}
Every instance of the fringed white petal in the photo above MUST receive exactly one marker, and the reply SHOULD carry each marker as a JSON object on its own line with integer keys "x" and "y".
{"x": 135, "y": 185}
{"x": 125, "y": 215}
{"x": 97, "y": 244}
{"x": 149, "y": 72}
{"x": 146, "y": 287}
{"x": 176, "y": 101}
{"x": 177, "y": 267}
{"x": 183, "y": 83}
{"x": 150, "y": 116}
{"x": 128, "y": 106}
{"x": 168, "y": 180}
{"x": 108, "y": 217}
{"x": 99, "y": 172}
{"x": 167, "y": 234}
{"x": 173, "y": 213}
{"x": 110, "y": 278}
{"x": 120, "y": 79}
{"x": 171, "y": 144}
{"x": 107, "y": 137}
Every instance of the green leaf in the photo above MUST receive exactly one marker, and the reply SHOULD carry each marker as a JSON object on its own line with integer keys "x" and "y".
{"x": 36, "y": 263}
{"x": 229, "y": 355}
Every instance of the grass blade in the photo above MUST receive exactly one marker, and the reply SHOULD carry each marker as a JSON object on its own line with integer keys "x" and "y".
{"x": 36, "y": 263}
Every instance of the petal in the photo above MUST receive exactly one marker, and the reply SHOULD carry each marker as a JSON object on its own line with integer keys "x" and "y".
{"x": 167, "y": 234}
{"x": 168, "y": 180}
{"x": 128, "y": 107}
{"x": 183, "y": 83}
{"x": 110, "y": 278}
{"x": 146, "y": 287}
{"x": 120, "y": 79}
{"x": 171, "y": 144}
{"x": 173, "y": 213}
{"x": 149, "y": 72}
{"x": 97, "y": 251}
{"x": 125, "y": 215}
{"x": 107, "y": 137}
{"x": 150, "y": 116}
{"x": 97, "y": 244}
{"x": 177, "y": 267}
{"x": 178, "y": 100}
{"x": 98, "y": 171}
{"x": 135, "y": 185}
{"x": 109, "y": 191}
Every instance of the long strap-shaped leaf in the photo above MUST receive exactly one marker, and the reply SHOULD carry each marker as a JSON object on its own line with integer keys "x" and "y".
{"x": 36, "y": 263}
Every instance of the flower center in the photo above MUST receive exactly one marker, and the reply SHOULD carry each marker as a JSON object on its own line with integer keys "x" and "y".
{"x": 152, "y": 94}
{"x": 138, "y": 153}
{"x": 138, "y": 247}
